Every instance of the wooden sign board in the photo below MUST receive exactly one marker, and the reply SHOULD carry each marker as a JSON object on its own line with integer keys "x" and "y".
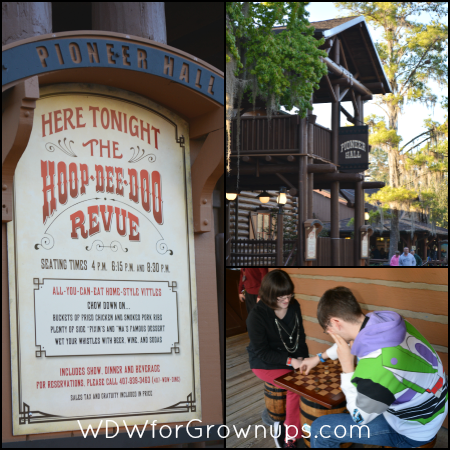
{"x": 365, "y": 246}
{"x": 103, "y": 306}
{"x": 311, "y": 244}
{"x": 353, "y": 149}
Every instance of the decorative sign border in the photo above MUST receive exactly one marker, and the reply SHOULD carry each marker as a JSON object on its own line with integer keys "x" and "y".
{"x": 44, "y": 56}
{"x": 26, "y": 414}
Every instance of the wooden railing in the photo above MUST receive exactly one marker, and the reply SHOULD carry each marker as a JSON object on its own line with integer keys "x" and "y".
{"x": 322, "y": 142}
{"x": 258, "y": 252}
{"x": 259, "y": 135}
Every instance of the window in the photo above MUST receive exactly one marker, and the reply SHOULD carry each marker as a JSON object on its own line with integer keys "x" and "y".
{"x": 261, "y": 225}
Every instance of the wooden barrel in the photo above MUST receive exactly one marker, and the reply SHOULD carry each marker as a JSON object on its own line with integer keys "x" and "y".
{"x": 310, "y": 411}
{"x": 275, "y": 401}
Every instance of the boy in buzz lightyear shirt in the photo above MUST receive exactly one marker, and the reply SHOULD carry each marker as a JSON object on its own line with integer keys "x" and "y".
{"x": 398, "y": 391}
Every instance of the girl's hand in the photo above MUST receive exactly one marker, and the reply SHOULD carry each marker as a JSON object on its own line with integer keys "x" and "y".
{"x": 296, "y": 363}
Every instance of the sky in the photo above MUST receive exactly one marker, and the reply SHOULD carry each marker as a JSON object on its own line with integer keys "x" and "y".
{"x": 410, "y": 123}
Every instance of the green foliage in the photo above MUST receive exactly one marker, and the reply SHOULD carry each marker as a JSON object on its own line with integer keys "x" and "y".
{"x": 379, "y": 135}
{"x": 284, "y": 68}
{"x": 378, "y": 168}
{"x": 390, "y": 195}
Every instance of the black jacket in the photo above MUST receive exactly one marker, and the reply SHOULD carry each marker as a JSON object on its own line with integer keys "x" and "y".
{"x": 266, "y": 351}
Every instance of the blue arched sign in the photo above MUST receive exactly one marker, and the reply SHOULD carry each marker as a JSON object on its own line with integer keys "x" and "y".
{"x": 35, "y": 58}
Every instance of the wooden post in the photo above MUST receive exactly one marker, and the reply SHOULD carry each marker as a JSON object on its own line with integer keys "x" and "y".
{"x": 360, "y": 104}
{"x": 302, "y": 191}
{"x": 310, "y": 189}
{"x": 236, "y": 226}
{"x": 279, "y": 257}
{"x": 146, "y": 19}
{"x": 227, "y": 233}
{"x": 359, "y": 216}
{"x": 334, "y": 192}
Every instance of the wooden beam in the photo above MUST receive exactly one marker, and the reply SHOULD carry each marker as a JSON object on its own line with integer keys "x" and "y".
{"x": 350, "y": 54}
{"x": 342, "y": 82}
{"x": 330, "y": 88}
{"x": 321, "y": 168}
{"x": 343, "y": 94}
{"x": 337, "y": 69}
{"x": 291, "y": 168}
{"x": 370, "y": 54}
{"x": 373, "y": 184}
{"x": 272, "y": 159}
{"x": 372, "y": 86}
{"x": 247, "y": 159}
{"x": 338, "y": 176}
{"x": 285, "y": 180}
{"x": 355, "y": 104}
{"x": 344, "y": 59}
{"x": 350, "y": 118}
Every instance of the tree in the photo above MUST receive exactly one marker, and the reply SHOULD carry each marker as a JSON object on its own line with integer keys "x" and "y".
{"x": 282, "y": 69}
{"x": 412, "y": 54}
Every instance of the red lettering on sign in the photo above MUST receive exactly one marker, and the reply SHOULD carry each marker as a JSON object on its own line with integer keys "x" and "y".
{"x": 49, "y": 206}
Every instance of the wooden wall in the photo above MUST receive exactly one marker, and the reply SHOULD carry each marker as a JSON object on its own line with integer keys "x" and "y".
{"x": 419, "y": 295}
{"x": 322, "y": 205}
{"x": 248, "y": 202}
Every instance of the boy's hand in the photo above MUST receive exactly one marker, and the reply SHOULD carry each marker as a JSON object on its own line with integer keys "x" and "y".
{"x": 241, "y": 297}
{"x": 308, "y": 364}
{"x": 344, "y": 353}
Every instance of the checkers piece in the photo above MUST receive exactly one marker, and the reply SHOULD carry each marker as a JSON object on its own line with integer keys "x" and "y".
{"x": 326, "y": 372}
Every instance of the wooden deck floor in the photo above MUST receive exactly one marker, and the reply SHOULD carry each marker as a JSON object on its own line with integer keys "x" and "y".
{"x": 244, "y": 397}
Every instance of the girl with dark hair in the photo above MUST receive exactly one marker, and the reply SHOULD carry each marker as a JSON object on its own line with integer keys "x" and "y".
{"x": 277, "y": 345}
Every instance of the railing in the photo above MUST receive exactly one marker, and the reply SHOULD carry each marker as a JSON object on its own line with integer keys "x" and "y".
{"x": 277, "y": 135}
{"x": 258, "y": 252}
{"x": 261, "y": 135}
{"x": 322, "y": 142}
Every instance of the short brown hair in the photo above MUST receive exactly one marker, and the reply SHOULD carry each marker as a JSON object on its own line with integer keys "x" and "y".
{"x": 276, "y": 283}
{"x": 338, "y": 302}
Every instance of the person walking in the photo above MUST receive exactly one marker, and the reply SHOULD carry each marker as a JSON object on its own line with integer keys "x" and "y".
{"x": 394, "y": 259}
{"x": 417, "y": 258}
{"x": 406, "y": 259}
{"x": 249, "y": 284}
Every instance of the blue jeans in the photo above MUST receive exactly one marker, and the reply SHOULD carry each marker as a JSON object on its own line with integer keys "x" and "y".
{"x": 381, "y": 433}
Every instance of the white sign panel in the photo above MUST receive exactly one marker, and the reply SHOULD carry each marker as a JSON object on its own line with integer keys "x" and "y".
{"x": 311, "y": 253}
{"x": 101, "y": 265}
{"x": 365, "y": 246}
